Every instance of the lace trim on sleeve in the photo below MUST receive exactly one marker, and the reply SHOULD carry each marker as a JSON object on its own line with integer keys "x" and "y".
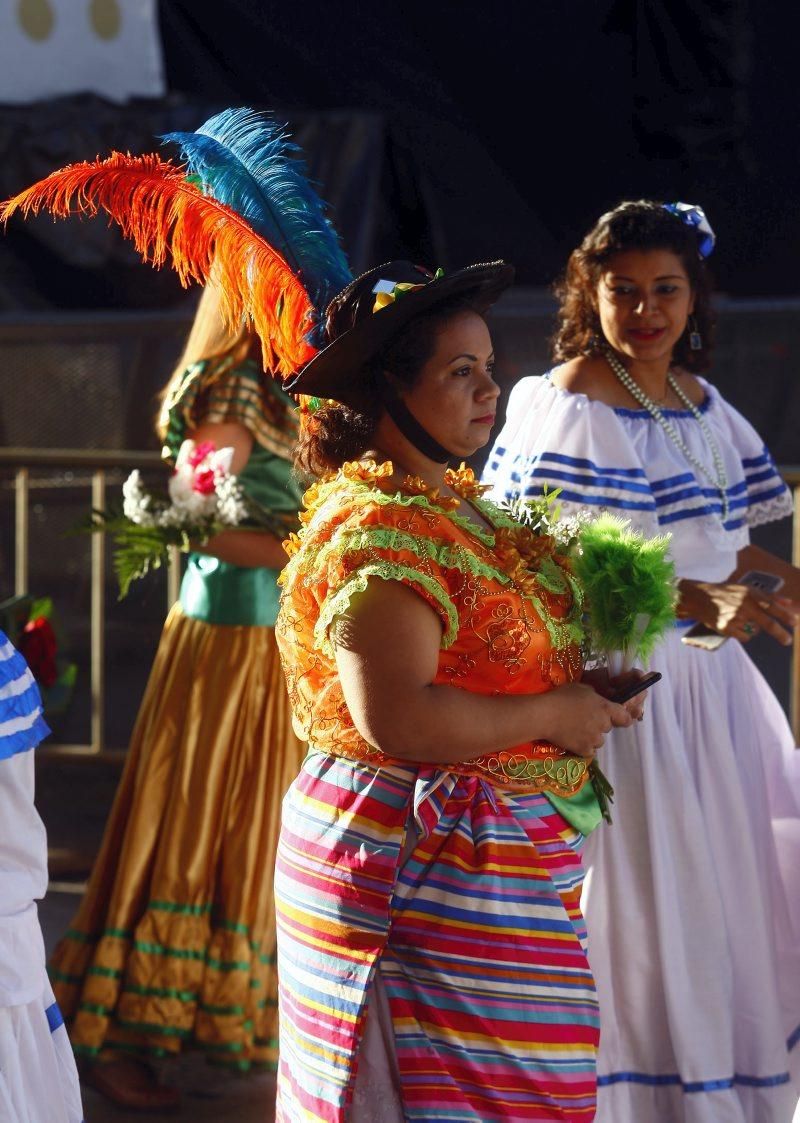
{"x": 780, "y": 507}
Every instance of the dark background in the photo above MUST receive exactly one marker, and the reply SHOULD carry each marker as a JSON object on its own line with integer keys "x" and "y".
{"x": 498, "y": 130}
{"x": 530, "y": 118}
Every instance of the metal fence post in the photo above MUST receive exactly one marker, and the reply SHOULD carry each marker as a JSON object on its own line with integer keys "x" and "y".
{"x": 98, "y": 618}
{"x": 21, "y": 531}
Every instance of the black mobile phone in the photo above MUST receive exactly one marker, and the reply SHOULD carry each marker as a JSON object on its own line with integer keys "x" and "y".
{"x": 634, "y": 688}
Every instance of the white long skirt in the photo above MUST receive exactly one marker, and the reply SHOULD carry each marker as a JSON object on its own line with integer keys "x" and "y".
{"x": 692, "y": 901}
{"x": 38, "y": 1078}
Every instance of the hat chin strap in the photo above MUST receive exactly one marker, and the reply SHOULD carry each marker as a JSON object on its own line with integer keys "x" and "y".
{"x": 411, "y": 429}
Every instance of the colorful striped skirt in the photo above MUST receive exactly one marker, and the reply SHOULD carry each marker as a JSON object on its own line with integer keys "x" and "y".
{"x": 466, "y": 898}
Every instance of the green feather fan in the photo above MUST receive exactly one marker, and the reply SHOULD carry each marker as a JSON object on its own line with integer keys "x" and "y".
{"x": 629, "y": 585}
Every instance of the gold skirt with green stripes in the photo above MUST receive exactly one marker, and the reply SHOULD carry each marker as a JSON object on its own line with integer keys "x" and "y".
{"x": 174, "y": 942}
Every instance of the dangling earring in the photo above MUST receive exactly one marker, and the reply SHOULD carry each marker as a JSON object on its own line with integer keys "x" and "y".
{"x": 695, "y": 338}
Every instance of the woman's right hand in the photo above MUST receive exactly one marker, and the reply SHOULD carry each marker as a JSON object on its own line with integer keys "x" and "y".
{"x": 738, "y": 610}
{"x": 580, "y": 718}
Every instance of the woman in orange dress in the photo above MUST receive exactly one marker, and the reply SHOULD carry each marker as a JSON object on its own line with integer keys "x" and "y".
{"x": 430, "y": 945}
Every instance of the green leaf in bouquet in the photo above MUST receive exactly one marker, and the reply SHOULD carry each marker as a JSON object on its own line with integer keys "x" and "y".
{"x": 41, "y": 606}
{"x": 602, "y": 789}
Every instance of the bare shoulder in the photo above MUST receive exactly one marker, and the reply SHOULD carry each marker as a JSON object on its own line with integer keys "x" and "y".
{"x": 589, "y": 375}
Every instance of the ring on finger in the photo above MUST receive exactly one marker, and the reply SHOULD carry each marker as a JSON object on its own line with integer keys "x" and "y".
{"x": 749, "y": 628}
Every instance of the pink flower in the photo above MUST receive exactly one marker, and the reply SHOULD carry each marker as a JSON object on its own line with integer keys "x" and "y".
{"x": 203, "y": 482}
{"x": 199, "y": 453}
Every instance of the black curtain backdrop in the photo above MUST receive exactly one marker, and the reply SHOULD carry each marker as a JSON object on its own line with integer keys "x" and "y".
{"x": 529, "y": 119}
{"x": 493, "y": 130}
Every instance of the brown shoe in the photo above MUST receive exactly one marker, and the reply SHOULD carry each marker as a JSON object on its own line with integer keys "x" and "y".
{"x": 132, "y": 1084}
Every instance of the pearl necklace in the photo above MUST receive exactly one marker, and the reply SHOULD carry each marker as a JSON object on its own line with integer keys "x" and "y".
{"x": 719, "y": 477}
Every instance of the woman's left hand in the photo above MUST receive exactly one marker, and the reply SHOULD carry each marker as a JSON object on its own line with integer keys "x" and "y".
{"x": 607, "y": 685}
{"x": 737, "y": 610}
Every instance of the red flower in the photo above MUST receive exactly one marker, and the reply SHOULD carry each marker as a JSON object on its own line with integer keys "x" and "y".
{"x": 201, "y": 451}
{"x": 38, "y": 645}
{"x": 203, "y": 482}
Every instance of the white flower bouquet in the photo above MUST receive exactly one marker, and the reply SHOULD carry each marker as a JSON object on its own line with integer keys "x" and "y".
{"x": 203, "y": 498}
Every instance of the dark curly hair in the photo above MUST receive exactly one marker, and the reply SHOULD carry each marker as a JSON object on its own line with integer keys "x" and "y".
{"x": 337, "y": 433}
{"x": 641, "y": 225}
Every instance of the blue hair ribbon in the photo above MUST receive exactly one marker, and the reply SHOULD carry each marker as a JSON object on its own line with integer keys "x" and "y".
{"x": 692, "y": 215}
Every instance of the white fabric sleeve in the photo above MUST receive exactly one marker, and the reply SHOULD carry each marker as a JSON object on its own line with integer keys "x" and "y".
{"x": 763, "y": 496}
{"x": 555, "y": 439}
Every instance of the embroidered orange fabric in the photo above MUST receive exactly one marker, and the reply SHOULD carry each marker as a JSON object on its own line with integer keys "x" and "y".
{"x": 509, "y": 607}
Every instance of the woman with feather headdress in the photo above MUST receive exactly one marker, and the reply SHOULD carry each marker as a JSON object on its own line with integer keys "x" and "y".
{"x": 173, "y": 944}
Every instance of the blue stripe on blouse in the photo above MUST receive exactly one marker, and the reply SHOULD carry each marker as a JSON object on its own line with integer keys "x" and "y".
{"x": 645, "y": 415}
{"x": 23, "y": 709}
{"x": 693, "y": 1086}
{"x": 580, "y": 462}
{"x": 55, "y": 1019}
{"x": 754, "y": 461}
{"x": 587, "y": 481}
{"x": 24, "y": 739}
{"x": 591, "y": 500}
{"x": 598, "y": 480}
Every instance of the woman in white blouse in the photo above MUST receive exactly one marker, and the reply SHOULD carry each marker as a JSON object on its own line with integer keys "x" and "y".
{"x": 692, "y": 898}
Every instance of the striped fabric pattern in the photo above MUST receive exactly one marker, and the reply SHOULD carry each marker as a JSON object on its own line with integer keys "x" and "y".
{"x": 477, "y": 928}
{"x": 620, "y": 460}
{"x": 220, "y": 392}
{"x": 22, "y": 726}
{"x": 670, "y": 499}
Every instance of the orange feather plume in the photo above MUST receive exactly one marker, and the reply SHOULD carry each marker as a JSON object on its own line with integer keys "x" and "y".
{"x": 165, "y": 215}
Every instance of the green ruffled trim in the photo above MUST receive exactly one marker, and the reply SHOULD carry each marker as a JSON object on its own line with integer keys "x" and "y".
{"x": 400, "y": 499}
{"x": 172, "y": 907}
{"x": 93, "y": 1051}
{"x": 562, "y": 632}
{"x": 499, "y": 518}
{"x": 158, "y": 1030}
{"x": 181, "y": 910}
{"x": 185, "y": 996}
{"x": 449, "y": 557}
{"x": 338, "y": 602}
{"x": 101, "y": 972}
{"x": 85, "y": 938}
{"x": 60, "y": 977}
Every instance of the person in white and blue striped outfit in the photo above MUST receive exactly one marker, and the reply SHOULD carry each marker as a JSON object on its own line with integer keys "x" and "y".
{"x": 38, "y": 1078}
{"x": 692, "y": 897}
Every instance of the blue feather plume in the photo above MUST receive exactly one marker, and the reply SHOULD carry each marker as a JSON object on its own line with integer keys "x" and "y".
{"x": 245, "y": 160}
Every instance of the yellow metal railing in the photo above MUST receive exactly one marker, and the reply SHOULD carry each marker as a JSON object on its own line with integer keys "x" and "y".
{"x": 99, "y": 464}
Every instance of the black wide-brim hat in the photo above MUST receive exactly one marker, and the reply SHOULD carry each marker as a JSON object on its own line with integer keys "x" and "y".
{"x": 356, "y": 330}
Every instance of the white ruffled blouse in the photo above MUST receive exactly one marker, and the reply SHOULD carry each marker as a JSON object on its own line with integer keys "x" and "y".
{"x": 622, "y": 461}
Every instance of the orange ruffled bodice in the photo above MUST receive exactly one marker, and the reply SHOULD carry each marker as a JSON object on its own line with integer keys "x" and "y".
{"x": 509, "y": 607}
